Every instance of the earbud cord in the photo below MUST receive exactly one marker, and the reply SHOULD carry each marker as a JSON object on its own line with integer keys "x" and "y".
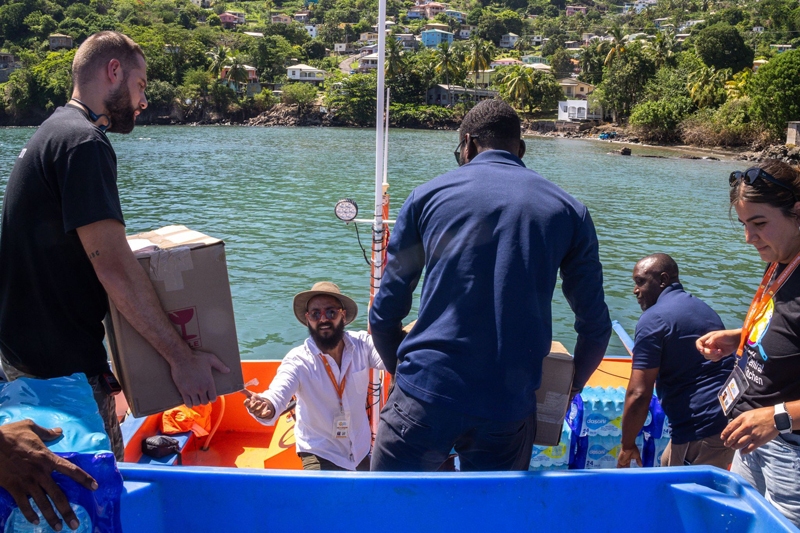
{"x": 94, "y": 117}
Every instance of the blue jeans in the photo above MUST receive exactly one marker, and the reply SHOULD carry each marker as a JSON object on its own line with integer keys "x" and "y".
{"x": 415, "y": 436}
{"x": 774, "y": 471}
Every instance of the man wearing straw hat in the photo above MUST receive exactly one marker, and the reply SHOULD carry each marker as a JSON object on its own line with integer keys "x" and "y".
{"x": 329, "y": 374}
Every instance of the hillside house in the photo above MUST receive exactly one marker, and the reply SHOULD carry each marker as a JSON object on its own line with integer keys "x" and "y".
{"x": 416, "y": 13}
{"x": 305, "y": 73}
{"x": 251, "y": 87}
{"x": 408, "y": 41}
{"x": 531, "y": 60}
{"x": 445, "y": 95}
{"x": 466, "y": 31}
{"x": 458, "y": 15}
{"x": 505, "y": 61}
{"x": 483, "y": 78}
{"x": 368, "y": 63}
{"x": 8, "y": 64}
{"x": 433, "y": 8}
{"x": 437, "y": 26}
{"x": 433, "y": 38}
{"x": 59, "y": 41}
{"x": 508, "y": 40}
{"x": 572, "y": 10}
{"x": 578, "y": 110}
{"x": 574, "y": 89}
{"x": 344, "y": 48}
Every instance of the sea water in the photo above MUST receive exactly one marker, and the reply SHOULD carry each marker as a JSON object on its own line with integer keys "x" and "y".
{"x": 270, "y": 192}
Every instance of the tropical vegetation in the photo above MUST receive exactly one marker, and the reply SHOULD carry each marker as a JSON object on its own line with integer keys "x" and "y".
{"x": 673, "y": 70}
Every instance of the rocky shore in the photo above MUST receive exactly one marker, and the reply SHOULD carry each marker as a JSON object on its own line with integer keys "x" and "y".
{"x": 787, "y": 154}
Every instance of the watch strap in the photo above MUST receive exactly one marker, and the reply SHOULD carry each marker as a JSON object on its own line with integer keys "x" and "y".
{"x": 782, "y": 419}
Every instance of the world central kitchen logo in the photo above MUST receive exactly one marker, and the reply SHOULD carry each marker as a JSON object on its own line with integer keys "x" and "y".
{"x": 185, "y": 321}
{"x": 596, "y": 421}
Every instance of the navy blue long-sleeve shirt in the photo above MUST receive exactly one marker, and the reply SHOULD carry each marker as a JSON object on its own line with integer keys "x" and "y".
{"x": 491, "y": 237}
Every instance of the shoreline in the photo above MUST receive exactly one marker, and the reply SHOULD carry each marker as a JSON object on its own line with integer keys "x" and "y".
{"x": 718, "y": 153}
{"x": 292, "y": 119}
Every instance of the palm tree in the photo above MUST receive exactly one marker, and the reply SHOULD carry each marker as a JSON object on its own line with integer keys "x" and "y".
{"x": 446, "y": 64}
{"x": 591, "y": 62}
{"x": 517, "y": 84}
{"x": 735, "y": 87}
{"x": 479, "y": 56}
{"x": 706, "y": 85}
{"x": 394, "y": 57}
{"x": 663, "y": 48}
{"x": 237, "y": 73}
{"x": 617, "y": 44}
{"x": 219, "y": 57}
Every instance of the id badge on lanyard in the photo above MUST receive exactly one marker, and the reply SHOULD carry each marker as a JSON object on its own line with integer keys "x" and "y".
{"x": 733, "y": 389}
{"x": 341, "y": 426}
{"x": 341, "y": 423}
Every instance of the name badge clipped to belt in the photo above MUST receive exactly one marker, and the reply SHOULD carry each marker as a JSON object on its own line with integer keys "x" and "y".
{"x": 733, "y": 389}
{"x": 341, "y": 425}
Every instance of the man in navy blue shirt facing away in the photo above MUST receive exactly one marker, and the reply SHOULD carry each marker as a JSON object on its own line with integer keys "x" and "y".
{"x": 664, "y": 354}
{"x": 491, "y": 237}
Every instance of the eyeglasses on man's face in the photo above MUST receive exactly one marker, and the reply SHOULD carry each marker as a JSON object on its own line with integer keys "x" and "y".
{"x": 457, "y": 151}
{"x": 751, "y": 175}
{"x": 329, "y": 312}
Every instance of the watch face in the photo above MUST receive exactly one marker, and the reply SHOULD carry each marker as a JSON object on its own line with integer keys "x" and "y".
{"x": 782, "y": 422}
{"x": 346, "y": 210}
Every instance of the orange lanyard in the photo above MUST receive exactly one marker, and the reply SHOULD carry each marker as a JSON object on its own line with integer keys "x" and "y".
{"x": 340, "y": 387}
{"x": 766, "y": 290}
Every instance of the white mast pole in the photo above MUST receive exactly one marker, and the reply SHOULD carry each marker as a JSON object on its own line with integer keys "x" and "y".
{"x": 386, "y": 145}
{"x": 378, "y": 224}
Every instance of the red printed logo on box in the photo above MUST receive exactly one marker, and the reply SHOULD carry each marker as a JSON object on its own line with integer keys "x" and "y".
{"x": 185, "y": 321}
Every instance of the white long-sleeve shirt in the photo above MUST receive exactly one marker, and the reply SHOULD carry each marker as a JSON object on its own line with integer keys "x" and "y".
{"x": 302, "y": 373}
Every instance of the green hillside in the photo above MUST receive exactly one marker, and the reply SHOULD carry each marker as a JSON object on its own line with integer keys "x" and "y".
{"x": 674, "y": 70}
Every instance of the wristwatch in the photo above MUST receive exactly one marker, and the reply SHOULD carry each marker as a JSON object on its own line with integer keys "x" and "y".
{"x": 783, "y": 421}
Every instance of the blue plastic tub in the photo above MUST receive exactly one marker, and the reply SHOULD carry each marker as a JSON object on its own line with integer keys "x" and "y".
{"x": 669, "y": 500}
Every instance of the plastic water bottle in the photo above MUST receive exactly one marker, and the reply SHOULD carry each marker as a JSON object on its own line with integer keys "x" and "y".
{"x": 17, "y": 523}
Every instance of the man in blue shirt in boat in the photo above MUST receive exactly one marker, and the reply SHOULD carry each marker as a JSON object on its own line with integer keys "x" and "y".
{"x": 329, "y": 374}
{"x": 665, "y": 355}
{"x": 491, "y": 237}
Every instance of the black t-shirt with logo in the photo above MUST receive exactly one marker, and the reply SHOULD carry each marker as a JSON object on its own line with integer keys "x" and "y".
{"x": 51, "y": 302}
{"x": 772, "y": 351}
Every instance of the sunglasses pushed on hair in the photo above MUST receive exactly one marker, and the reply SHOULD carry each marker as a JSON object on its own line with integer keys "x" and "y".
{"x": 753, "y": 174}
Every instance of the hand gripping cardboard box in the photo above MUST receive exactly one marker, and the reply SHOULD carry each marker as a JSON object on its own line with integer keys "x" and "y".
{"x": 190, "y": 277}
{"x": 552, "y": 398}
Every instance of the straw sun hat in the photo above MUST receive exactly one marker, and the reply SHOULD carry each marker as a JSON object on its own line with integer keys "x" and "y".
{"x": 327, "y": 288}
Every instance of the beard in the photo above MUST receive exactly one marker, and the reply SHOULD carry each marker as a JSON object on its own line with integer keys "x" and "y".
{"x": 332, "y": 340}
{"x": 121, "y": 113}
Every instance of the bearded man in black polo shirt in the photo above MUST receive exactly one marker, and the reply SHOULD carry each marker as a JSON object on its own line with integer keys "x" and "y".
{"x": 63, "y": 250}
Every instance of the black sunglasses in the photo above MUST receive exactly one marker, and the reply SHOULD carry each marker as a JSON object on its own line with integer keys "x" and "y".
{"x": 457, "y": 151}
{"x": 752, "y": 174}
{"x": 330, "y": 313}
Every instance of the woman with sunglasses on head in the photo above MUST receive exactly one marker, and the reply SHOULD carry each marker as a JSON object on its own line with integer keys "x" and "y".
{"x": 762, "y": 397}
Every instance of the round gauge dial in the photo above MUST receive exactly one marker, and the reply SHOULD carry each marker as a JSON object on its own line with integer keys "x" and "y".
{"x": 346, "y": 209}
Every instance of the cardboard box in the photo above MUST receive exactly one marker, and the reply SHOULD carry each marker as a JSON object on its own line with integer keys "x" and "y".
{"x": 190, "y": 277}
{"x": 552, "y": 398}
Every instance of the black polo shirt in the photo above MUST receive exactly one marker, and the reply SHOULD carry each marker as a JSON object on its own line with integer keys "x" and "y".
{"x": 51, "y": 302}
